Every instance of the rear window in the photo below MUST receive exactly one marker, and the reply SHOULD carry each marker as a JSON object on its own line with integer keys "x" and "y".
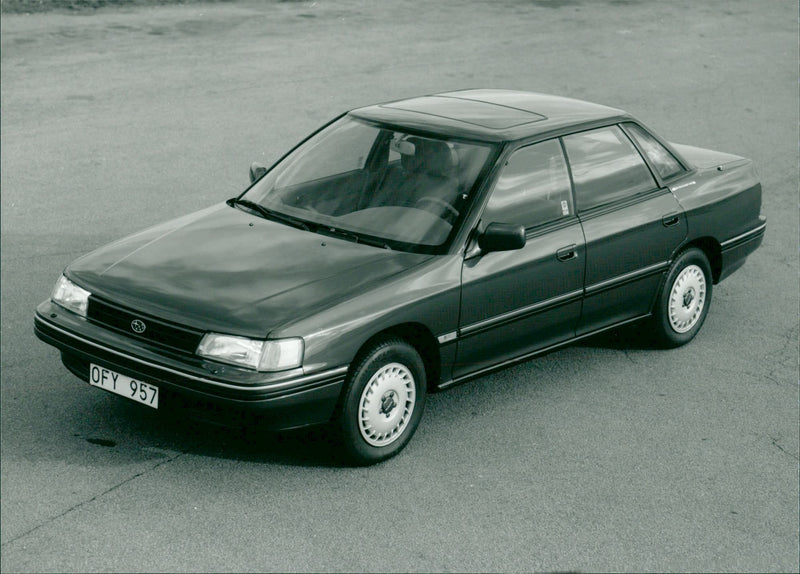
{"x": 660, "y": 158}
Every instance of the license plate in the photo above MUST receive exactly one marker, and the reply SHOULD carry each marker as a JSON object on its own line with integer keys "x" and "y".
{"x": 138, "y": 391}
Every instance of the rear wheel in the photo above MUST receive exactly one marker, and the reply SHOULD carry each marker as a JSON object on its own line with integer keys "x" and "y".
{"x": 383, "y": 402}
{"x": 684, "y": 300}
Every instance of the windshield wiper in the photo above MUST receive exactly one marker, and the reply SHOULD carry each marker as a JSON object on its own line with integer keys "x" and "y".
{"x": 351, "y": 236}
{"x": 268, "y": 213}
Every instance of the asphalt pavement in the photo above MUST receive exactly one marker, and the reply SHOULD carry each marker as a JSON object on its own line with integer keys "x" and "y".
{"x": 604, "y": 456}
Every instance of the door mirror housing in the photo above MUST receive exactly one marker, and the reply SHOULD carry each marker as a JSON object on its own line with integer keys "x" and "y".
{"x": 502, "y": 237}
{"x": 256, "y": 171}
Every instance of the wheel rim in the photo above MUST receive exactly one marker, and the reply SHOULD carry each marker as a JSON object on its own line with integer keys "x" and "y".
{"x": 386, "y": 404}
{"x": 687, "y": 299}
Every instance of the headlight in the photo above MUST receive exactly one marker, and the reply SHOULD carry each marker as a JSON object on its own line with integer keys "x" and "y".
{"x": 70, "y": 296}
{"x": 271, "y": 355}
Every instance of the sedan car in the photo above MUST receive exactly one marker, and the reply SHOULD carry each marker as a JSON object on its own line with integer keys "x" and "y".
{"x": 403, "y": 248}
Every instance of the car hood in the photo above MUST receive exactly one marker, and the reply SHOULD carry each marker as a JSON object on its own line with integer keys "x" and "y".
{"x": 225, "y": 270}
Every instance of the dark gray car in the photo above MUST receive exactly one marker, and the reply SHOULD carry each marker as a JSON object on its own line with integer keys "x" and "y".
{"x": 407, "y": 247}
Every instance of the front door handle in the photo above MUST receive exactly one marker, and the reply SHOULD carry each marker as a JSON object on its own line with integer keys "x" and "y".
{"x": 567, "y": 253}
{"x": 670, "y": 219}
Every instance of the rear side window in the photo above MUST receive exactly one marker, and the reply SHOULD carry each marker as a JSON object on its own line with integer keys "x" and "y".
{"x": 664, "y": 162}
{"x": 533, "y": 188}
{"x": 606, "y": 167}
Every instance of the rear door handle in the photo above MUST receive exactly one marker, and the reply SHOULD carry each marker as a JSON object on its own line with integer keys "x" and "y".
{"x": 567, "y": 253}
{"x": 670, "y": 219}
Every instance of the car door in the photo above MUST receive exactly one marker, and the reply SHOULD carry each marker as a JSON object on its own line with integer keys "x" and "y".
{"x": 632, "y": 226}
{"x": 516, "y": 302}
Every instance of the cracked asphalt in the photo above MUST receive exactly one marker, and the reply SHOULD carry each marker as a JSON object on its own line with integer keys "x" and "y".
{"x": 604, "y": 456}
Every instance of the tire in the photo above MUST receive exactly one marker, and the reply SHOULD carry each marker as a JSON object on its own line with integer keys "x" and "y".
{"x": 382, "y": 403}
{"x": 684, "y": 300}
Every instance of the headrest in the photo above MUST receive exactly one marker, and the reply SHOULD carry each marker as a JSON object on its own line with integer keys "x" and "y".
{"x": 433, "y": 157}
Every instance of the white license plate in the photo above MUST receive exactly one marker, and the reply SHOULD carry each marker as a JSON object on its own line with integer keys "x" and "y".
{"x": 138, "y": 391}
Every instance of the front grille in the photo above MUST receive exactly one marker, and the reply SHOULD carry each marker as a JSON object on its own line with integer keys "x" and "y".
{"x": 156, "y": 331}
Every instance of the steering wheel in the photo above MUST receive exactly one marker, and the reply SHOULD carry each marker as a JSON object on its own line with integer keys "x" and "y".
{"x": 303, "y": 203}
{"x": 439, "y": 202}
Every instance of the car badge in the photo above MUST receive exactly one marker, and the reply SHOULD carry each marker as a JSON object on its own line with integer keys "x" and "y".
{"x": 138, "y": 326}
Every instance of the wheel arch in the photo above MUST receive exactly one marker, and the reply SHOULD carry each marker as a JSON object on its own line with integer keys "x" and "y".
{"x": 712, "y": 250}
{"x": 418, "y": 336}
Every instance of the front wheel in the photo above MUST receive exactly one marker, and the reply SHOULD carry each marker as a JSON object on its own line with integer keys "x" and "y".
{"x": 683, "y": 303}
{"x": 383, "y": 402}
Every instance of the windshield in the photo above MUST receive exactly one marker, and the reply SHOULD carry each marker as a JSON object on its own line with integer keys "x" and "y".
{"x": 374, "y": 185}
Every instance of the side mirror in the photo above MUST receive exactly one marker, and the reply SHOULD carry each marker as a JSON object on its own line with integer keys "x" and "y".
{"x": 256, "y": 171}
{"x": 502, "y": 237}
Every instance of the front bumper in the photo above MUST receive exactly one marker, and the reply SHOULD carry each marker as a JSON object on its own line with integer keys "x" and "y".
{"x": 210, "y": 390}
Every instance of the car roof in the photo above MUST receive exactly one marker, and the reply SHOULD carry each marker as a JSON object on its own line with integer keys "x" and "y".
{"x": 489, "y": 114}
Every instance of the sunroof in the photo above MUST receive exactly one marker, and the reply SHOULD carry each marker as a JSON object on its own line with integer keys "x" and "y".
{"x": 474, "y": 112}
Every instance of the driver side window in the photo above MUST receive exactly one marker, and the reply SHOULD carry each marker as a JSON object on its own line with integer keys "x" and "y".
{"x": 533, "y": 188}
